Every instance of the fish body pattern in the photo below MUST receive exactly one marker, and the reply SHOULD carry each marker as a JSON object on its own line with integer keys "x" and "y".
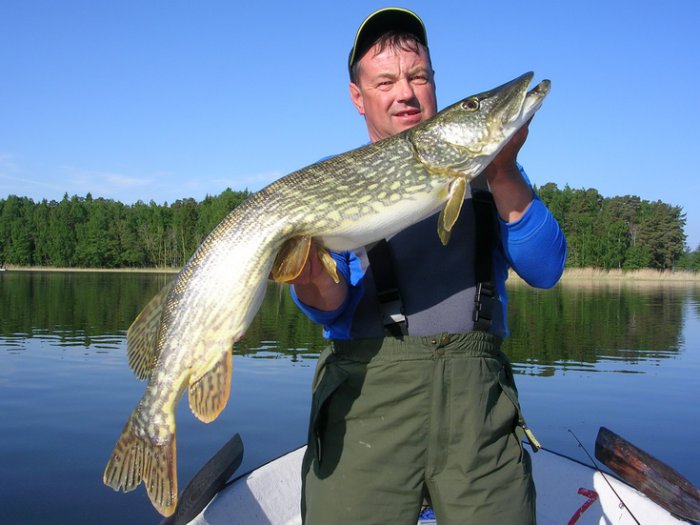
{"x": 184, "y": 337}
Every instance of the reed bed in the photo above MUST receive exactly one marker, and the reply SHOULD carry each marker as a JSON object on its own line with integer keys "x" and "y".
{"x": 584, "y": 276}
{"x": 630, "y": 275}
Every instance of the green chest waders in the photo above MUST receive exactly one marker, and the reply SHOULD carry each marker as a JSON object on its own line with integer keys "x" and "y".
{"x": 397, "y": 417}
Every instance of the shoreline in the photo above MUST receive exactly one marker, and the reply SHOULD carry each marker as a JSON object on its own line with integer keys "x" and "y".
{"x": 570, "y": 274}
{"x": 12, "y": 268}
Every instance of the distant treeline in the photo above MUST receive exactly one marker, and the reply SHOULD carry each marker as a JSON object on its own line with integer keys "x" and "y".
{"x": 103, "y": 233}
{"x": 620, "y": 232}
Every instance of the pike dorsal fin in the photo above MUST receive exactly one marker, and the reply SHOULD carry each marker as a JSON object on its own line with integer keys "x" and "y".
{"x": 210, "y": 386}
{"x": 142, "y": 336}
{"x": 450, "y": 213}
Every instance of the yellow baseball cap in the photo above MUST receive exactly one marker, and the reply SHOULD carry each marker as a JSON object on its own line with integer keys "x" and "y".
{"x": 382, "y": 21}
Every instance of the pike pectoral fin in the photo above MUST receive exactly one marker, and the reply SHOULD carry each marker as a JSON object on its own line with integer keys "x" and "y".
{"x": 291, "y": 259}
{"x": 142, "y": 335}
{"x": 328, "y": 263}
{"x": 450, "y": 213}
{"x": 210, "y": 386}
{"x": 137, "y": 459}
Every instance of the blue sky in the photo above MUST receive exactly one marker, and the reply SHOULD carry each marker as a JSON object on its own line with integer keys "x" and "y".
{"x": 160, "y": 100}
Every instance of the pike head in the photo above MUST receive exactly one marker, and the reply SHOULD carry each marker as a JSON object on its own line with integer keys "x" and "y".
{"x": 463, "y": 138}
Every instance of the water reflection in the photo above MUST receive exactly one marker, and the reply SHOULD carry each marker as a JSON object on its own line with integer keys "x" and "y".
{"x": 593, "y": 326}
{"x": 596, "y": 326}
{"x": 576, "y": 326}
{"x": 94, "y": 311}
{"x": 281, "y": 330}
{"x": 90, "y": 310}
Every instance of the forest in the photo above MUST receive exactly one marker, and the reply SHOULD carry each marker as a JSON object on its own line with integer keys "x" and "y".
{"x": 625, "y": 232}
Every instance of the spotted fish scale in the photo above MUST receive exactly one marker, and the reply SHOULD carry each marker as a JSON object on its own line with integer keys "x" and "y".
{"x": 183, "y": 337}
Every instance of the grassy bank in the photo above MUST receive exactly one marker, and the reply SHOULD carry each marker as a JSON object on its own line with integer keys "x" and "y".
{"x": 630, "y": 275}
{"x": 575, "y": 276}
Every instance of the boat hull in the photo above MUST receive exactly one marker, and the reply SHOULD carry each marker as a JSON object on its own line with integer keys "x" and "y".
{"x": 568, "y": 492}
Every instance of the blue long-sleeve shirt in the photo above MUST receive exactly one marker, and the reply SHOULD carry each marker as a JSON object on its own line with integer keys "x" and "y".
{"x": 534, "y": 246}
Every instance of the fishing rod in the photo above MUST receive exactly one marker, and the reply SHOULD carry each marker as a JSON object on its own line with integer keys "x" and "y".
{"x": 595, "y": 465}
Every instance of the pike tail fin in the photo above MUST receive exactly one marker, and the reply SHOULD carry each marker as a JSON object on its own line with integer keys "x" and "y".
{"x": 135, "y": 459}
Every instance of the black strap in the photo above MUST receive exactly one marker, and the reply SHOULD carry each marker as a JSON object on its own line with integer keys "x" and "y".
{"x": 381, "y": 261}
{"x": 487, "y": 233}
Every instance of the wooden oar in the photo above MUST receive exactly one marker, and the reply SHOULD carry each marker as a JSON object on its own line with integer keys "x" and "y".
{"x": 207, "y": 482}
{"x": 662, "y": 484}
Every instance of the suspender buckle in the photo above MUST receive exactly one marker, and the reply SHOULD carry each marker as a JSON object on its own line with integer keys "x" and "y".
{"x": 485, "y": 300}
{"x": 393, "y": 318}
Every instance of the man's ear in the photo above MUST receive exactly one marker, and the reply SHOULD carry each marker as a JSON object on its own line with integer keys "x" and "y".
{"x": 356, "y": 98}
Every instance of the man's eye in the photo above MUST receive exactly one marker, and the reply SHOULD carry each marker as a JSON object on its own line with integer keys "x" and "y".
{"x": 420, "y": 79}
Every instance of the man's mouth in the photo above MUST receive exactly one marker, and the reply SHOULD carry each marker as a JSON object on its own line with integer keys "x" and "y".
{"x": 409, "y": 115}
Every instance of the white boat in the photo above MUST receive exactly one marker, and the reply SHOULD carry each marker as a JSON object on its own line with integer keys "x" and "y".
{"x": 568, "y": 492}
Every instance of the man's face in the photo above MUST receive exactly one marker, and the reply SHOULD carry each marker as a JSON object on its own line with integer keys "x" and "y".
{"x": 394, "y": 90}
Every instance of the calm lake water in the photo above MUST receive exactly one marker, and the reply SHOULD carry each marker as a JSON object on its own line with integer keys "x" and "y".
{"x": 622, "y": 356}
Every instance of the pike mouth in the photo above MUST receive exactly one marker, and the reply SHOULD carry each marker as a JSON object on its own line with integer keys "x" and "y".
{"x": 533, "y": 99}
{"x": 525, "y": 103}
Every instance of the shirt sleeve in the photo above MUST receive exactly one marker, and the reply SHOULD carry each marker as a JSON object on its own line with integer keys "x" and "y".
{"x": 337, "y": 323}
{"x": 535, "y": 246}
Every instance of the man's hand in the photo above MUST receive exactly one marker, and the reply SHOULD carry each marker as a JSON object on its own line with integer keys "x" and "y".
{"x": 511, "y": 192}
{"x": 316, "y": 288}
{"x": 505, "y": 161}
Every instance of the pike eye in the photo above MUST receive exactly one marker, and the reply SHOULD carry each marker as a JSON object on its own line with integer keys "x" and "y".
{"x": 471, "y": 104}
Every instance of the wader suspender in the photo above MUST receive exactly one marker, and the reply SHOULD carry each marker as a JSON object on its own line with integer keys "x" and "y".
{"x": 381, "y": 260}
{"x": 487, "y": 232}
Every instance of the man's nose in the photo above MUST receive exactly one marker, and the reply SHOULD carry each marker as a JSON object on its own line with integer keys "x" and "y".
{"x": 405, "y": 90}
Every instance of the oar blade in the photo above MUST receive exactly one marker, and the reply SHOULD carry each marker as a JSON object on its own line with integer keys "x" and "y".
{"x": 207, "y": 482}
{"x": 650, "y": 476}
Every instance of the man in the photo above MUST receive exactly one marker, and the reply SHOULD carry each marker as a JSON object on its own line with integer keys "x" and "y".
{"x": 420, "y": 401}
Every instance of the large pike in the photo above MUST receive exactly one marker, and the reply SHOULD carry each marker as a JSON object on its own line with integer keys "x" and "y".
{"x": 184, "y": 336}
